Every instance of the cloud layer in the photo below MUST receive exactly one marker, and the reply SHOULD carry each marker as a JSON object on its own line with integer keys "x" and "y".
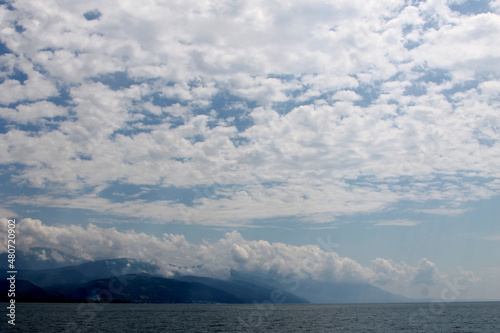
{"x": 260, "y": 109}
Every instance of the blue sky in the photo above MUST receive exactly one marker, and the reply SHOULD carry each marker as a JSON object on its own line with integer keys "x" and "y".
{"x": 245, "y": 134}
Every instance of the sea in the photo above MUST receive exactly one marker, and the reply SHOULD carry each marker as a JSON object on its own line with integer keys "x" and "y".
{"x": 452, "y": 317}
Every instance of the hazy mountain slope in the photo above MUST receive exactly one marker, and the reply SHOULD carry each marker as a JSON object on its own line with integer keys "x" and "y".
{"x": 322, "y": 292}
{"x": 88, "y": 271}
{"x": 327, "y": 292}
{"x": 26, "y": 291}
{"x": 143, "y": 288}
{"x": 248, "y": 292}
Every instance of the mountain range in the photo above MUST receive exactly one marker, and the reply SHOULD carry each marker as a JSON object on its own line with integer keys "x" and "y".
{"x": 131, "y": 280}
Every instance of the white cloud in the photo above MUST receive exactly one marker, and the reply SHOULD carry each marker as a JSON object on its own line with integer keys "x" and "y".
{"x": 471, "y": 35}
{"x": 495, "y": 5}
{"x": 34, "y": 88}
{"x": 427, "y": 273}
{"x": 386, "y": 271}
{"x": 398, "y": 223}
{"x": 425, "y": 280}
{"x": 443, "y": 211}
{"x": 346, "y": 95}
{"x": 493, "y": 238}
{"x": 32, "y": 113}
{"x": 7, "y": 213}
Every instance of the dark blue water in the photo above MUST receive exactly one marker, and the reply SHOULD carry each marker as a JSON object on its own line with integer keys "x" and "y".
{"x": 414, "y": 317}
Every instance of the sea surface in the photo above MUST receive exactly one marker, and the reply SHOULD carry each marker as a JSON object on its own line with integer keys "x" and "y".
{"x": 407, "y": 317}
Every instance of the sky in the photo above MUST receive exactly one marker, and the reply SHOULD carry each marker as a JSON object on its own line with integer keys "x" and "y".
{"x": 337, "y": 140}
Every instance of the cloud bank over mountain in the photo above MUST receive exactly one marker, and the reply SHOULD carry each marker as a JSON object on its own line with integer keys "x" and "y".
{"x": 174, "y": 254}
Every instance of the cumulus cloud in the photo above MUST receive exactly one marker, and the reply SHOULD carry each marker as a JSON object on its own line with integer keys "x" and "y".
{"x": 424, "y": 280}
{"x": 168, "y": 250}
{"x": 33, "y": 112}
{"x": 35, "y": 88}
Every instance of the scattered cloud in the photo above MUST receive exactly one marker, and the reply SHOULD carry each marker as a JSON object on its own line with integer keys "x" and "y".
{"x": 398, "y": 223}
{"x": 443, "y": 211}
{"x": 306, "y": 109}
{"x": 493, "y": 238}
